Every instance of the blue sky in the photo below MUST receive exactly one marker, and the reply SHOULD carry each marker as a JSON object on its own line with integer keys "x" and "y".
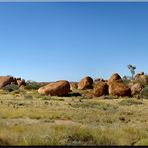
{"x": 54, "y": 41}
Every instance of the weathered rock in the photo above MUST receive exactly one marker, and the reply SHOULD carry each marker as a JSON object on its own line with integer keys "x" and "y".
{"x": 131, "y": 83}
{"x": 21, "y": 82}
{"x": 144, "y": 78}
{"x": 85, "y": 83}
{"x": 5, "y": 80}
{"x": 58, "y": 88}
{"x": 43, "y": 90}
{"x": 73, "y": 86}
{"x": 101, "y": 88}
{"x": 119, "y": 89}
{"x": 136, "y": 89}
{"x": 115, "y": 78}
{"x": 141, "y": 78}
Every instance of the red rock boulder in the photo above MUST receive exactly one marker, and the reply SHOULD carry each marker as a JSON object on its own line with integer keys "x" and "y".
{"x": 115, "y": 78}
{"x": 101, "y": 88}
{"x": 5, "y": 80}
{"x": 58, "y": 88}
{"x": 136, "y": 89}
{"x": 85, "y": 83}
{"x": 117, "y": 87}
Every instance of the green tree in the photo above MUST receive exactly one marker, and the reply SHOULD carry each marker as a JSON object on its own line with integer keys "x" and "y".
{"x": 132, "y": 69}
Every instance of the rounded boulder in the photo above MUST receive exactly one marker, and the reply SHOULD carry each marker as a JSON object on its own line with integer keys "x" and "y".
{"x": 86, "y": 83}
{"x": 58, "y": 88}
{"x": 100, "y": 89}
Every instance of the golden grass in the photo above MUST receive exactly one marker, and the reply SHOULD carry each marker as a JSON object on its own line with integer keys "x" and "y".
{"x": 33, "y": 119}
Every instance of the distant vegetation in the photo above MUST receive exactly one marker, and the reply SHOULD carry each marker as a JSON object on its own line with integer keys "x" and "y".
{"x": 11, "y": 87}
{"x": 32, "y": 85}
{"x": 144, "y": 93}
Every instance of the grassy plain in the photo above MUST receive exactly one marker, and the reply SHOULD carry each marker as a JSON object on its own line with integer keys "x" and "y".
{"x": 28, "y": 118}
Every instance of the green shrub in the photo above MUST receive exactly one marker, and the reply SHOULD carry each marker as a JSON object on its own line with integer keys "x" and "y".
{"x": 126, "y": 79}
{"x": 129, "y": 102}
{"x": 80, "y": 136}
{"x": 144, "y": 93}
{"x": 32, "y": 85}
{"x": 11, "y": 87}
{"x": 99, "y": 105}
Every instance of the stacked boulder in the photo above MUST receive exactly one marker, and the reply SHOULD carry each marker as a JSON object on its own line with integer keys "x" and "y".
{"x": 100, "y": 89}
{"x": 117, "y": 87}
{"x": 85, "y": 83}
{"x": 141, "y": 77}
{"x": 137, "y": 84}
{"x": 114, "y": 86}
{"x": 7, "y": 80}
{"x": 20, "y": 82}
{"x": 136, "y": 89}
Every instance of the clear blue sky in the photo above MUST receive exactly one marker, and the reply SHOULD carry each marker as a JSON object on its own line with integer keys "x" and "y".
{"x": 54, "y": 41}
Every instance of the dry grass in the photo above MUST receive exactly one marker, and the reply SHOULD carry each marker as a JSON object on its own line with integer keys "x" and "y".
{"x": 27, "y": 118}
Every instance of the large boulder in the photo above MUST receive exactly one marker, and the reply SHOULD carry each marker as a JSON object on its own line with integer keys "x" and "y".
{"x": 101, "y": 88}
{"x": 115, "y": 78}
{"x": 85, "y": 83}
{"x": 6, "y": 80}
{"x": 43, "y": 90}
{"x": 117, "y": 87}
{"x": 58, "y": 88}
{"x": 136, "y": 89}
{"x": 141, "y": 77}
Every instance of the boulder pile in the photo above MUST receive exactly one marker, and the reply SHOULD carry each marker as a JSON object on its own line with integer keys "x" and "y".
{"x": 7, "y": 80}
{"x": 117, "y": 87}
{"x": 114, "y": 86}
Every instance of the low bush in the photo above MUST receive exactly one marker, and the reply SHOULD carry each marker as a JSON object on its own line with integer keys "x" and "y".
{"x": 99, "y": 105}
{"x": 144, "y": 93}
{"x": 32, "y": 85}
{"x": 11, "y": 87}
{"x": 129, "y": 102}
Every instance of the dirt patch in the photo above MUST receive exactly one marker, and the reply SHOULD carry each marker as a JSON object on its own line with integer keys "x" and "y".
{"x": 34, "y": 121}
{"x": 60, "y": 122}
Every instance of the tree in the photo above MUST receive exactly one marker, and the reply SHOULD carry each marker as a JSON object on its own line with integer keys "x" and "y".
{"x": 132, "y": 69}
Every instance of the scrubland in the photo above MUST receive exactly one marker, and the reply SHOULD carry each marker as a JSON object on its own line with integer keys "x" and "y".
{"x": 29, "y": 118}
